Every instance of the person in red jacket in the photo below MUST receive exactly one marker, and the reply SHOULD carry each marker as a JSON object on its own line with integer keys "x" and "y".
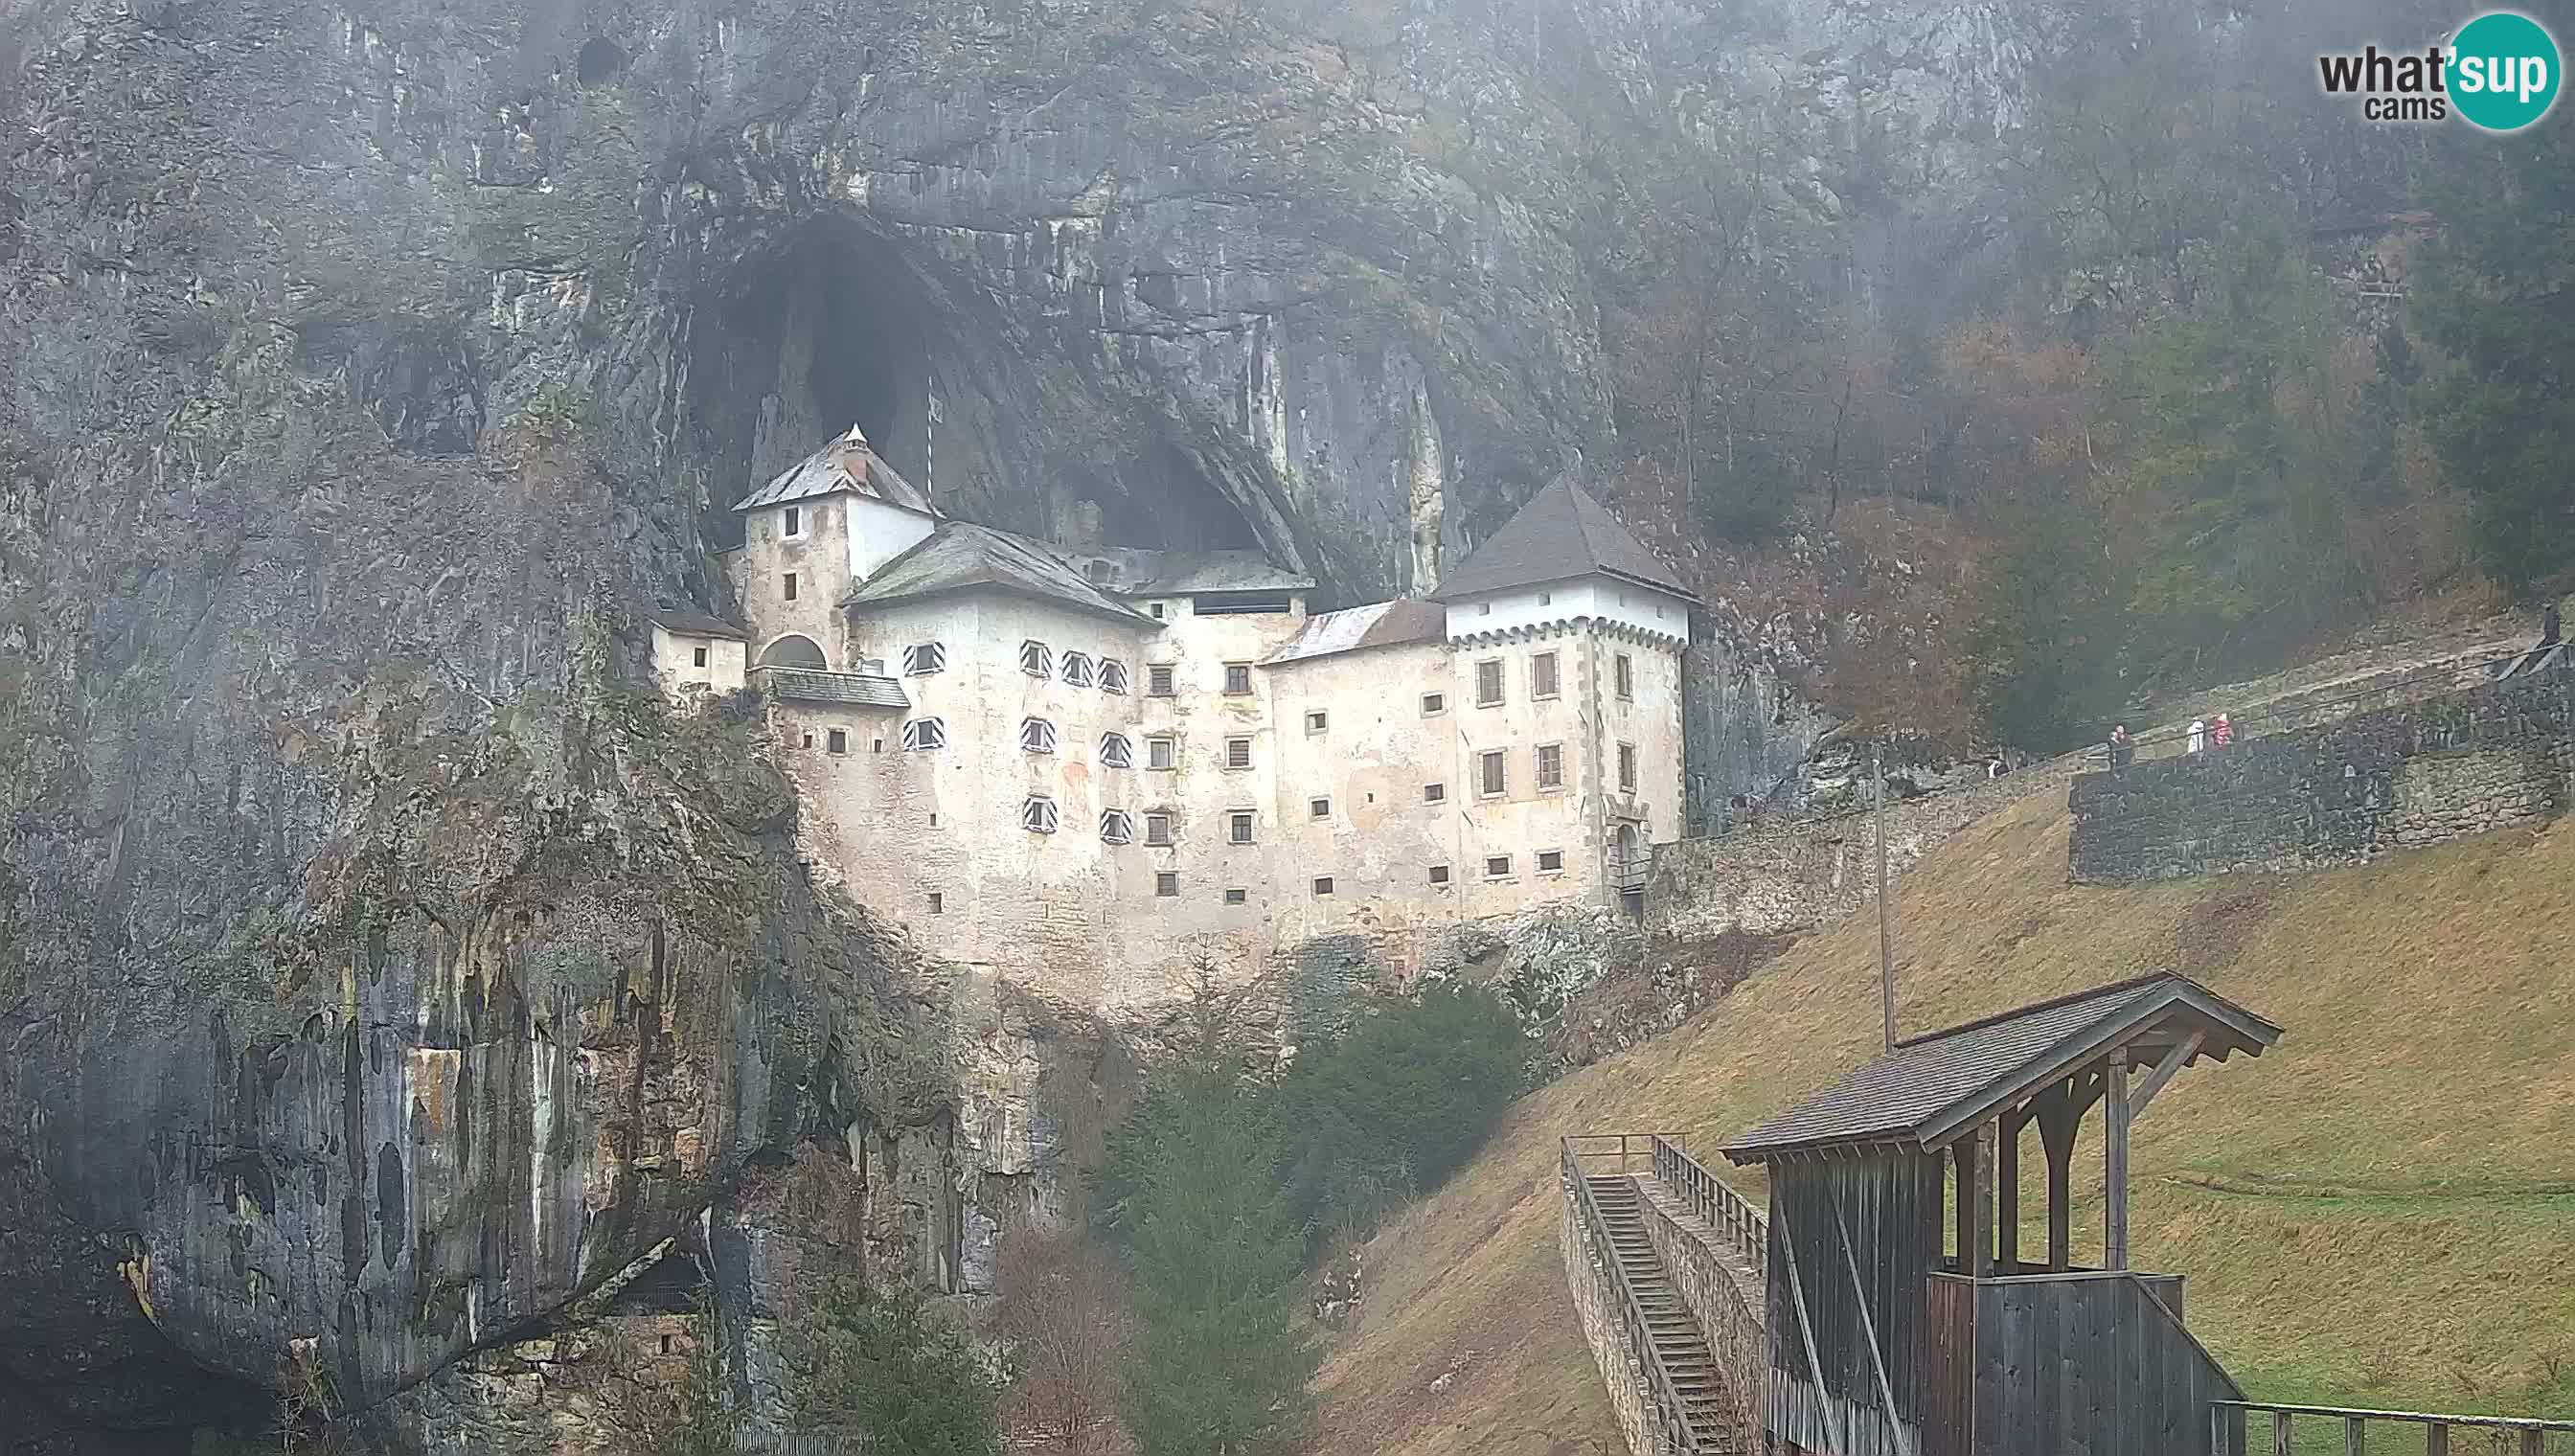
{"x": 2222, "y": 732}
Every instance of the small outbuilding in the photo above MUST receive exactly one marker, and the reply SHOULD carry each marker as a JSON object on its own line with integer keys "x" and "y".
{"x": 693, "y": 650}
{"x": 1903, "y": 1315}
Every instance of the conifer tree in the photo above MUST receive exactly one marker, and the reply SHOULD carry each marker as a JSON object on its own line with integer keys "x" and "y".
{"x": 885, "y": 1372}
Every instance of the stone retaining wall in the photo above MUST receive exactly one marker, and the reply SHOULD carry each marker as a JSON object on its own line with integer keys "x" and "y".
{"x": 1725, "y": 1299}
{"x": 1595, "y": 1309}
{"x": 2489, "y": 757}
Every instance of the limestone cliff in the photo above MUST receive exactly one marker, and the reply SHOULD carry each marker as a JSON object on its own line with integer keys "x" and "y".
{"x": 377, "y": 970}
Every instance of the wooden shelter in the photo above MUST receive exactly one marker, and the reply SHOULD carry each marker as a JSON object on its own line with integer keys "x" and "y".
{"x": 1882, "y": 1340}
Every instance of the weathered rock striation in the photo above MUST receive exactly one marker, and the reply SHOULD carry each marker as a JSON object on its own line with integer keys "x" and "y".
{"x": 379, "y": 972}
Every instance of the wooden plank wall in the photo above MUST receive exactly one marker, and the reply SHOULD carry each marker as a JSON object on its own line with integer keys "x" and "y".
{"x": 1892, "y": 1207}
{"x": 2087, "y": 1365}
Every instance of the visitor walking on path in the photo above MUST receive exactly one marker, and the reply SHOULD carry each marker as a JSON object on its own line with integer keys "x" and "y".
{"x": 2122, "y": 748}
{"x": 2550, "y": 626}
{"x": 2222, "y": 732}
{"x": 2198, "y": 735}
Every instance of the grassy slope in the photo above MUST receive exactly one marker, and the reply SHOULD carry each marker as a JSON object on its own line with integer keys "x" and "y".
{"x": 2368, "y": 1215}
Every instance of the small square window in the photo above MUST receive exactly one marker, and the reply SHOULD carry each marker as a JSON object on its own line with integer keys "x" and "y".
{"x": 1157, "y": 679}
{"x": 1483, "y": 608}
{"x": 876, "y": 745}
{"x": 1161, "y": 753}
{"x": 1113, "y": 676}
{"x": 1157, "y": 610}
{"x": 1116, "y": 752}
{"x": 1498, "y": 866}
{"x": 1036, "y": 736}
{"x": 1236, "y": 896}
{"x": 1313, "y": 722}
{"x": 790, "y": 586}
{"x": 1116, "y": 826}
{"x": 838, "y": 742}
{"x": 1158, "y": 828}
{"x": 924, "y": 734}
{"x": 1543, "y": 676}
{"x": 1321, "y": 808}
{"x": 934, "y": 818}
{"x": 1238, "y": 827}
{"x": 1077, "y": 669}
{"x": 1238, "y": 752}
{"x": 1547, "y": 598}
{"x": 1494, "y": 775}
{"x": 1550, "y": 861}
{"x": 1237, "y": 679}
{"x": 697, "y": 657}
{"x": 1488, "y": 682}
{"x": 1037, "y": 658}
{"x": 924, "y": 657}
{"x": 1038, "y": 816}
{"x": 1551, "y": 766}
{"x": 809, "y": 741}
{"x": 1324, "y": 884}
{"x": 1623, "y": 671}
{"x": 794, "y": 521}
{"x": 1439, "y": 874}
{"x": 1435, "y": 792}
{"x": 938, "y": 903}
{"x": 1166, "y": 883}
{"x": 1433, "y": 704}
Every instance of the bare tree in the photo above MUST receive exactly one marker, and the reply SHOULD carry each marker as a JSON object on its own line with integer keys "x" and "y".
{"x": 1064, "y": 1319}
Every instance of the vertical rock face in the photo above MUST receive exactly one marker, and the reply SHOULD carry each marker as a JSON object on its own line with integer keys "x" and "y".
{"x": 377, "y": 970}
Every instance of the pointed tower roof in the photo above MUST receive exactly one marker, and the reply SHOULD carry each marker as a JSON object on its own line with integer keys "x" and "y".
{"x": 1561, "y": 532}
{"x": 846, "y": 463}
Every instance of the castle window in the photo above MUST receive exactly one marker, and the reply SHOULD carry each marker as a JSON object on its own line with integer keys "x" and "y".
{"x": 837, "y": 742}
{"x": 1161, "y": 752}
{"x": 1157, "y": 826}
{"x": 1547, "y": 598}
{"x": 1488, "y": 682}
{"x": 666, "y": 1344}
{"x": 938, "y": 903}
{"x": 1623, "y": 671}
{"x": 1237, "y": 679}
{"x": 1116, "y": 752}
{"x": 1236, "y": 896}
{"x": 923, "y": 657}
{"x": 925, "y": 734}
{"x": 1542, "y": 675}
{"x": 1435, "y": 792}
{"x": 1626, "y": 767}
{"x": 1113, "y": 676}
{"x": 809, "y": 741}
{"x": 1238, "y": 752}
{"x": 1322, "y": 884}
{"x": 1551, "y": 766}
{"x": 1498, "y": 866}
{"x": 1077, "y": 669}
{"x": 1314, "y": 722}
{"x": 1493, "y": 779}
{"x": 1116, "y": 826}
{"x": 1238, "y": 827}
{"x": 1157, "y": 679}
{"x": 1321, "y": 808}
{"x": 1550, "y": 861}
{"x": 1439, "y": 874}
{"x": 790, "y": 586}
{"x": 1166, "y": 884}
{"x": 1433, "y": 704}
{"x": 1157, "y": 610}
{"x": 1036, "y": 659}
{"x": 698, "y": 657}
{"x": 1038, "y": 814}
{"x": 876, "y": 745}
{"x": 794, "y": 521}
{"x": 1036, "y": 736}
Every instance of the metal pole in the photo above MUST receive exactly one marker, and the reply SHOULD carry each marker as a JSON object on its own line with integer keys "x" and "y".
{"x": 1885, "y": 913}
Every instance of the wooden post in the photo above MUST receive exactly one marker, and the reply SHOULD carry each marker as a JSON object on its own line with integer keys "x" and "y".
{"x": 2008, "y": 1195}
{"x": 2060, "y": 1113}
{"x": 1972, "y": 1243}
{"x": 2355, "y": 1436}
{"x": 2280, "y": 1433}
{"x": 1989, "y": 1143}
{"x": 2114, "y": 1158}
{"x": 2436, "y": 1439}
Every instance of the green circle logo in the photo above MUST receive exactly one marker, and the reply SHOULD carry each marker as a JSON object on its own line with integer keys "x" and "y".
{"x": 2503, "y": 71}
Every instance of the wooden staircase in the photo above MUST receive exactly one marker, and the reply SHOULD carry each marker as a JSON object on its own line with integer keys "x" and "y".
{"x": 1675, "y": 1334}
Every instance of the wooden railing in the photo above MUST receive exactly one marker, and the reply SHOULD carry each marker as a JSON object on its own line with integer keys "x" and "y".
{"x": 1747, "y": 1228}
{"x": 2232, "y": 1421}
{"x": 1671, "y": 1418}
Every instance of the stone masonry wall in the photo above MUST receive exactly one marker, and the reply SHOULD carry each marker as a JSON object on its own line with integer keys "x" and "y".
{"x": 2417, "y": 773}
{"x": 1724, "y": 1298}
{"x": 1595, "y": 1309}
{"x": 1796, "y": 874}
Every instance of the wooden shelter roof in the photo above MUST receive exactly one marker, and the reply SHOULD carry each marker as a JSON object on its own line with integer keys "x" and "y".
{"x": 1934, "y": 1088}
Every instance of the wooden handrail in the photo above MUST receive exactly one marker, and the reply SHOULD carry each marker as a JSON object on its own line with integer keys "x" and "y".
{"x": 1747, "y": 1228}
{"x": 2229, "y": 1420}
{"x": 1671, "y": 1415}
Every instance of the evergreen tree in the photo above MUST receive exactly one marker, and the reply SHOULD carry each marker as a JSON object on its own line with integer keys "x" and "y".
{"x": 885, "y": 1373}
{"x": 1221, "y": 1360}
{"x": 2498, "y": 295}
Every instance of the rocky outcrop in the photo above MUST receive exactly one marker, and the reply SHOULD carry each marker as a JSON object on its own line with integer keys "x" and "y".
{"x": 376, "y": 969}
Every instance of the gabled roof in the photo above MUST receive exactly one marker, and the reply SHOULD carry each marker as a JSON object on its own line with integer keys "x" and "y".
{"x": 693, "y": 623}
{"x": 1377, "y": 624}
{"x": 847, "y": 465}
{"x": 962, "y": 556}
{"x": 1931, "y": 1089}
{"x": 849, "y": 689}
{"x": 1561, "y": 533}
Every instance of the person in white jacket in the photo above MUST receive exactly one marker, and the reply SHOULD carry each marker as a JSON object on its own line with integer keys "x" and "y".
{"x": 2199, "y": 734}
